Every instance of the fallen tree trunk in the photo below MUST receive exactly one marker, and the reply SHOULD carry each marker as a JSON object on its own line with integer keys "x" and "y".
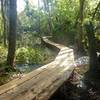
{"x": 41, "y": 83}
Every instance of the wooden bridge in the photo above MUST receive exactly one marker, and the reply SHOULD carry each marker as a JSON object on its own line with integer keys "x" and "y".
{"x": 41, "y": 83}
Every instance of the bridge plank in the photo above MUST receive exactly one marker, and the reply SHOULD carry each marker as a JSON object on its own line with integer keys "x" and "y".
{"x": 41, "y": 83}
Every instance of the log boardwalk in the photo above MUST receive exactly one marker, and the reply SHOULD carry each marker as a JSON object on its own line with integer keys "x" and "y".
{"x": 41, "y": 83}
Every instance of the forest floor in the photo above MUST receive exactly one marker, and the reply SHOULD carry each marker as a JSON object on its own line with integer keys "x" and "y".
{"x": 77, "y": 87}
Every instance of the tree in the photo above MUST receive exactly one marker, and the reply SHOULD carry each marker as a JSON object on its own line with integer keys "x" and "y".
{"x": 93, "y": 62}
{"x": 96, "y": 9}
{"x": 4, "y": 12}
{"x": 12, "y": 32}
{"x": 80, "y": 31}
{"x": 39, "y": 29}
{"x": 92, "y": 47}
{"x": 47, "y": 13}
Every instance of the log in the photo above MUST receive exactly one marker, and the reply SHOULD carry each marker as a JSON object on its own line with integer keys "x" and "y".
{"x": 41, "y": 83}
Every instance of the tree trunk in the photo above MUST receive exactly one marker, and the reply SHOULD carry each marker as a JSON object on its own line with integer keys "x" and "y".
{"x": 49, "y": 26}
{"x": 39, "y": 29}
{"x": 12, "y": 32}
{"x": 79, "y": 37}
{"x": 3, "y": 12}
{"x": 93, "y": 63}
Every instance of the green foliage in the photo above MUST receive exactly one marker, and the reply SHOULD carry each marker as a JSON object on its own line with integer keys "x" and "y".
{"x": 3, "y": 54}
{"x": 6, "y": 73}
{"x": 4, "y": 78}
{"x": 62, "y": 15}
{"x": 1, "y": 28}
{"x": 22, "y": 55}
{"x": 38, "y": 57}
{"x": 31, "y": 55}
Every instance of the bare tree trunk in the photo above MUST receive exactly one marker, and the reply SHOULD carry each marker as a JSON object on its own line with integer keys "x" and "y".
{"x": 56, "y": 14}
{"x": 49, "y": 18}
{"x": 79, "y": 37}
{"x": 92, "y": 47}
{"x": 39, "y": 18}
{"x": 93, "y": 62}
{"x": 93, "y": 73}
{"x": 12, "y": 32}
{"x": 46, "y": 5}
{"x": 3, "y": 11}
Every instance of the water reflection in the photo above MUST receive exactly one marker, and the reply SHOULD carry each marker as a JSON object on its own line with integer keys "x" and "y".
{"x": 27, "y": 67}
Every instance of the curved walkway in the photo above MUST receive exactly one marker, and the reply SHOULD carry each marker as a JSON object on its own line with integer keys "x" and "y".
{"x": 41, "y": 83}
